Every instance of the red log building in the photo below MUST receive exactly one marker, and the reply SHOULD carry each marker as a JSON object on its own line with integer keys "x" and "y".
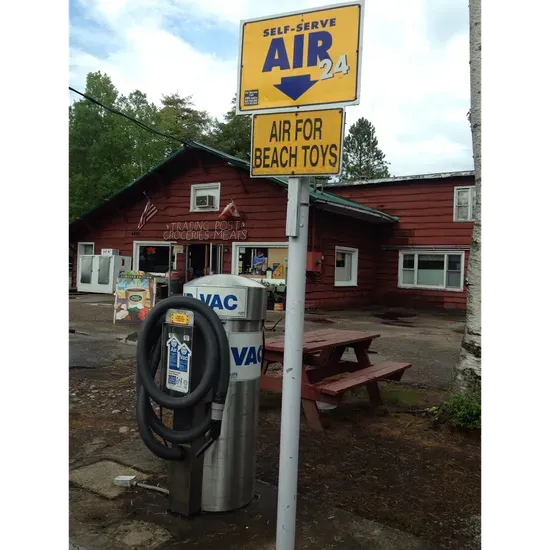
{"x": 423, "y": 258}
{"x": 192, "y": 187}
{"x": 394, "y": 242}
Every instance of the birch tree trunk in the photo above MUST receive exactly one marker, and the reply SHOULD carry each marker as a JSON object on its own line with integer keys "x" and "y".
{"x": 467, "y": 374}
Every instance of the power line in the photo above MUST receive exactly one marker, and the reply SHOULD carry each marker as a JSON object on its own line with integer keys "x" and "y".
{"x": 116, "y": 112}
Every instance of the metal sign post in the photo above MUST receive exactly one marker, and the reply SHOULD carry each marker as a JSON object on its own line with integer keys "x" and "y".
{"x": 289, "y": 65}
{"x": 296, "y": 229}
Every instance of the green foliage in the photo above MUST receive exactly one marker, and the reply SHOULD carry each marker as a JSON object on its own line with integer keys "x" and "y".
{"x": 179, "y": 118}
{"x": 144, "y": 148}
{"x": 462, "y": 411}
{"x": 107, "y": 151}
{"x": 400, "y": 394}
{"x": 95, "y": 146}
{"x": 362, "y": 158}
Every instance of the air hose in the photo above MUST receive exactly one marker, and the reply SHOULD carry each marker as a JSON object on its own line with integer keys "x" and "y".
{"x": 215, "y": 376}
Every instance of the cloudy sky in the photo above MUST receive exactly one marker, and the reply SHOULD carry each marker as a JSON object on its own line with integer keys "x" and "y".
{"x": 415, "y": 75}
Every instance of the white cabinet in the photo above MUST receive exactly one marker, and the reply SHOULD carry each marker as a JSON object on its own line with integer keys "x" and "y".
{"x": 100, "y": 273}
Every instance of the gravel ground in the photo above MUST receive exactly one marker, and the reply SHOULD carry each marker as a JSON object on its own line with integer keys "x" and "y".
{"x": 386, "y": 466}
{"x": 431, "y": 342}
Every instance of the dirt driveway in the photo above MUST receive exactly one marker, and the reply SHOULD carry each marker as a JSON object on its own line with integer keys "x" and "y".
{"x": 387, "y": 466}
{"x": 430, "y": 341}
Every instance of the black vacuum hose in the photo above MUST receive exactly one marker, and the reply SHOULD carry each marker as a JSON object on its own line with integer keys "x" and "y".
{"x": 215, "y": 377}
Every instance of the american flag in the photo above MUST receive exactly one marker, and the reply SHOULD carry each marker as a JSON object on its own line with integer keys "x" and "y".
{"x": 148, "y": 213}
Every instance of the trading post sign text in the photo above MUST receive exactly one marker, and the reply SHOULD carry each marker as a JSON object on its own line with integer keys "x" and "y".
{"x": 307, "y": 58}
{"x": 297, "y": 144}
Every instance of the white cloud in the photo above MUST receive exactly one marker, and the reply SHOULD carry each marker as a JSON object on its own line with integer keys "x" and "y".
{"x": 414, "y": 91}
{"x": 156, "y": 62}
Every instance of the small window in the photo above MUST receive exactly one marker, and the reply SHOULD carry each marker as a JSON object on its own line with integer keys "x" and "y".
{"x": 85, "y": 249}
{"x": 262, "y": 261}
{"x": 154, "y": 258}
{"x": 438, "y": 270}
{"x": 205, "y": 197}
{"x": 345, "y": 266}
{"x": 465, "y": 198}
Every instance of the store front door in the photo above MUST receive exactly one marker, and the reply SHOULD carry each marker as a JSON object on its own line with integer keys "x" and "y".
{"x": 203, "y": 259}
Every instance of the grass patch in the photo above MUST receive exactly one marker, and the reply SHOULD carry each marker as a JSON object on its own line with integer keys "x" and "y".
{"x": 399, "y": 394}
{"x": 463, "y": 411}
{"x": 392, "y": 393}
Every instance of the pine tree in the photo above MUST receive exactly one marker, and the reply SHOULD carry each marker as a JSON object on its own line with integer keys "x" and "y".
{"x": 362, "y": 158}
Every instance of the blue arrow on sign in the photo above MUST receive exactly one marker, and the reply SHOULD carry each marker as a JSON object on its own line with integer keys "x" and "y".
{"x": 173, "y": 345}
{"x": 183, "y": 360}
{"x": 295, "y": 86}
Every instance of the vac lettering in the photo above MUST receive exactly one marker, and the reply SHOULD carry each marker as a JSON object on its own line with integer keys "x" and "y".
{"x": 247, "y": 356}
{"x": 215, "y": 301}
{"x": 228, "y": 303}
{"x": 296, "y": 144}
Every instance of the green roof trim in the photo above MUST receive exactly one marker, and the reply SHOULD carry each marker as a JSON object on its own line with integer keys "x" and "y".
{"x": 315, "y": 195}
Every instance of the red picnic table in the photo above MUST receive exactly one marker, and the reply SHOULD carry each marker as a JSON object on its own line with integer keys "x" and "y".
{"x": 322, "y": 362}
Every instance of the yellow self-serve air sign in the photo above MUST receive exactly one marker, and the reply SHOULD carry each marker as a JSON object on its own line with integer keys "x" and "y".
{"x": 300, "y": 59}
{"x": 297, "y": 144}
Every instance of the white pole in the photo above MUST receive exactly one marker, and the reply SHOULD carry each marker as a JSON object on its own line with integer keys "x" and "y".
{"x": 296, "y": 229}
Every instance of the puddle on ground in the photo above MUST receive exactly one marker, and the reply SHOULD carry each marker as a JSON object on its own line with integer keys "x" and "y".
{"x": 397, "y": 324}
{"x": 396, "y": 318}
{"x": 394, "y": 315}
{"x": 321, "y": 320}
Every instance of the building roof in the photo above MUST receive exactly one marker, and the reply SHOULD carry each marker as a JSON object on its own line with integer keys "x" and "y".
{"x": 404, "y": 179}
{"x": 321, "y": 198}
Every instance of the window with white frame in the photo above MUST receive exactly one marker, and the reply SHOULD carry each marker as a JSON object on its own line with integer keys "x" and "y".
{"x": 431, "y": 270}
{"x": 153, "y": 257}
{"x": 261, "y": 261}
{"x": 205, "y": 197}
{"x": 345, "y": 266}
{"x": 465, "y": 198}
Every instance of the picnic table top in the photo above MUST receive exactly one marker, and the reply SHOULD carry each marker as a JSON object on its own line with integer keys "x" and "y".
{"x": 317, "y": 340}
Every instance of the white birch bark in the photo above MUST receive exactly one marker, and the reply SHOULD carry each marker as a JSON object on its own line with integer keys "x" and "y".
{"x": 467, "y": 375}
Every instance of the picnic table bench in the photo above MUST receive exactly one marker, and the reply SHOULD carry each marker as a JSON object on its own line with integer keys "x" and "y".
{"x": 325, "y": 376}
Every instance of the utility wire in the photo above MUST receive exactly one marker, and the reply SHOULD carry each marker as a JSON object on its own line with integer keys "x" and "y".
{"x": 137, "y": 122}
